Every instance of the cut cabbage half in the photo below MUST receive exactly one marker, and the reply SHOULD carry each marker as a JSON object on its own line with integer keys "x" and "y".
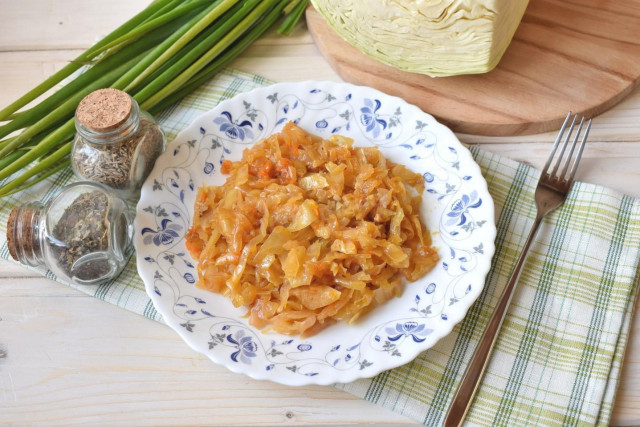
{"x": 433, "y": 37}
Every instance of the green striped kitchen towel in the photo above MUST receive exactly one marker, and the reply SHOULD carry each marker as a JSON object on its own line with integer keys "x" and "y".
{"x": 558, "y": 357}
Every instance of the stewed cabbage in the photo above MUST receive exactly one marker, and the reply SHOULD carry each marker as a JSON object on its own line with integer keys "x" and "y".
{"x": 306, "y": 232}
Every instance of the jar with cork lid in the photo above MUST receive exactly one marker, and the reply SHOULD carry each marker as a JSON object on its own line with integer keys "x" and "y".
{"x": 83, "y": 234}
{"x": 116, "y": 143}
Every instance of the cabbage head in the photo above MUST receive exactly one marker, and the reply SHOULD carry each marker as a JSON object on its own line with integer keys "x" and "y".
{"x": 433, "y": 37}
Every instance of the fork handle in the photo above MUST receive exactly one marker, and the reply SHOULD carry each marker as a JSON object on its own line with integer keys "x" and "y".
{"x": 478, "y": 364}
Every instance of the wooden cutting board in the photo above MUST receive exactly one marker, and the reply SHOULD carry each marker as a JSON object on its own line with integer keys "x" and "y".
{"x": 581, "y": 56}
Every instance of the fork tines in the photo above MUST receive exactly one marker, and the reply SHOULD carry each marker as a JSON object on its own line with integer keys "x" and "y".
{"x": 553, "y": 173}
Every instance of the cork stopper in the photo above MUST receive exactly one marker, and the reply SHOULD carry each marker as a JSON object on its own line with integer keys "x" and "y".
{"x": 11, "y": 243}
{"x": 104, "y": 109}
{"x": 22, "y": 234}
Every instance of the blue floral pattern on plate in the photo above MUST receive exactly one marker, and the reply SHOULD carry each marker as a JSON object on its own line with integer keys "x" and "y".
{"x": 456, "y": 207}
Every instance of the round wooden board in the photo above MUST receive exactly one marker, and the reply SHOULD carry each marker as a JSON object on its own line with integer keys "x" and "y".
{"x": 581, "y": 56}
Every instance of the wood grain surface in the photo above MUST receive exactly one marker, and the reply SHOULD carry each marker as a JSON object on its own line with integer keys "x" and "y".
{"x": 581, "y": 56}
{"x": 70, "y": 359}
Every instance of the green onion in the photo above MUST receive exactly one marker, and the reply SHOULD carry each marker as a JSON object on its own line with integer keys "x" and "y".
{"x": 229, "y": 29}
{"x": 43, "y": 165}
{"x": 124, "y": 82}
{"x": 81, "y": 83}
{"x": 61, "y": 112}
{"x": 152, "y": 25}
{"x": 293, "y": 15}
{"x": 158, "y": 57}
{"x": 211, "y": 15}
{"x": 77, "y": 63}
{"x": 221, "y": 62}
{"x": 63, "y": 165}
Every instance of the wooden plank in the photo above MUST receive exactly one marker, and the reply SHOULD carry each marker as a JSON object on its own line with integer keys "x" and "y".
{"x": 25, "y": 70}
{"x": 98, "y": 363}
{"x": 296, "y": 60}
{"x": 74, "y": 374}
{"x": 610, "y": 164}
{"x": 76, "y": 24}
{"x": 74, "y": 359}
{"x": 61, "y": 24}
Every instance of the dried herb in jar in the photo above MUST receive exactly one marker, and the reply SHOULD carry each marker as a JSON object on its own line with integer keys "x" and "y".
{"x": 84, "y": 229}
{"x": 83, "y": 234}
{"x": 117, "y": 163}
{"x": 116, "y": 143}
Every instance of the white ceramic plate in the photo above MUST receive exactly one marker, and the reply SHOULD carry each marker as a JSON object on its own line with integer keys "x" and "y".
{"x": 457, "y": 208}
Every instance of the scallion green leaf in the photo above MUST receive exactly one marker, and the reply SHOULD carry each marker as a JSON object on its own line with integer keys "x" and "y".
{"x": 159, "y": 56}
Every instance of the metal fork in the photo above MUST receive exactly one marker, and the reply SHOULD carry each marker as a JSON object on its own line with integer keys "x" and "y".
{"x": 550, "y": 193}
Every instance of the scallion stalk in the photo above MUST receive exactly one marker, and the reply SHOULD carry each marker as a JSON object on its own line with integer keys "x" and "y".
{"x": 292, "y": 18}
{"x": 42, "y": 166}
{"x": 197, "y": 28}
{"x": 217, "y": 65}
{"x": 78, "y": 62}
{"x": 63, "y": 111}
{"x": 125, "y": 81}
{"x": 158, "y": 57}
{"x": 196, "y": 53}
{"x": 50, "y": 171}
{"x": 210, "y": 55}
{"x": 148, "y": 26}
{"x": 83, "y": 81}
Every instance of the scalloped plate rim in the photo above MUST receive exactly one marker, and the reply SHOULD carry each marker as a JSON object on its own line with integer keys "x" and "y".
{"x": 459, "y": 315}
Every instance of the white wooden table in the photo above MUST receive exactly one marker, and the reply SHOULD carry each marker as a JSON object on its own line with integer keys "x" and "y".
{"x": 66, "y": 358}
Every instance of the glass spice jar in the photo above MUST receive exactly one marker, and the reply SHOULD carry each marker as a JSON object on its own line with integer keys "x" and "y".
{"x": 116, "y": 143}
{"x": 83, "y": 234}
